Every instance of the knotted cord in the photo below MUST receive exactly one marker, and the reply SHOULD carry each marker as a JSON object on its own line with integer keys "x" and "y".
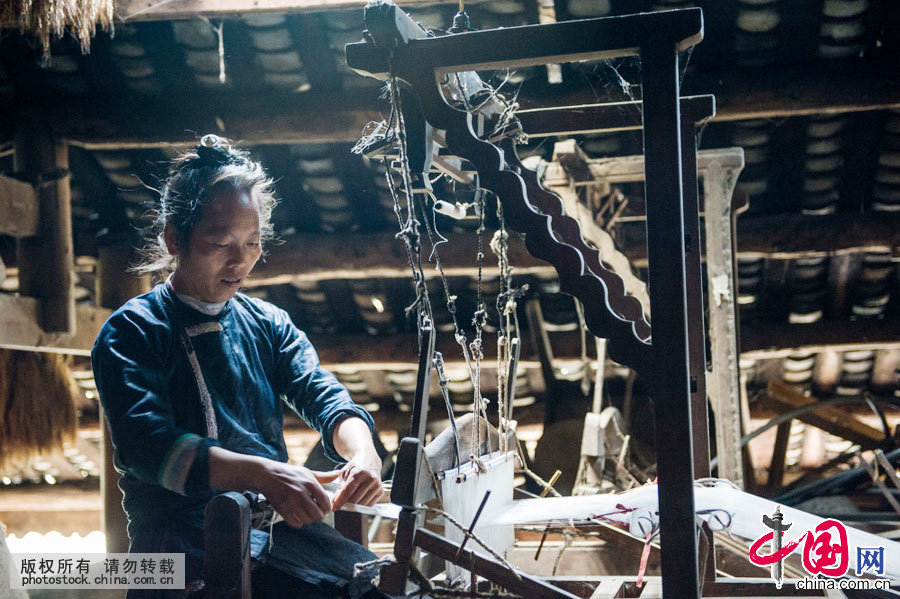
{"x": 473, "y": 352}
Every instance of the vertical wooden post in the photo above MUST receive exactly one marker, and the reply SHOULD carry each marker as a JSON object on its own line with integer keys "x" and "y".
{"x": 694, "y": 294}
{"x": 779, "y": 454}
{"x": 670, "y": 378}
{"x": 46, "y": 259}
{"x": 114, "y": 284}
{"x": 724, "y": 383}
{"x": 114, "y": 287}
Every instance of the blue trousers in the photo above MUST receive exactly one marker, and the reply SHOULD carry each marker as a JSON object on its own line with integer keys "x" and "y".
{"x": 318, "y": 558}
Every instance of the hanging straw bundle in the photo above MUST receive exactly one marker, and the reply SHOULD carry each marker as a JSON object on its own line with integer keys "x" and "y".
{"x": 38, "y": 399}
{"x": 49, "y": 19}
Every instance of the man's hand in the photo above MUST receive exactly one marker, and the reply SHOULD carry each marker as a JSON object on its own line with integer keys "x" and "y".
{"x": 360, "y": 481}
{"x": 361, "y": 476}
{"x": 296, "y": 492}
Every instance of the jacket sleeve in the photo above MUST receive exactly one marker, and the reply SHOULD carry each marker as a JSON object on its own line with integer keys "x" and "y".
{"x": 314, "y": 393}
{"x": 131, "y": 378}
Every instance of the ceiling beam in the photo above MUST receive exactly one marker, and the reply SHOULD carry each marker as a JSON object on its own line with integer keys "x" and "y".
{"x": 19, "y": 328}
{"x": 157, "y": 10}
{"x": 791, "y": 236}
{"x": 305, "y": 119}
{"x": 378, "y": 256}
{"x": 827, "y": 87}
{"x": 758, "y": 341}
{"x": 782, "y": 397}
{"x": 813, "y": 89}
{"x": 381, "y": 255}
{"x": 332, "y": 118}
{"x": 779, "y": 340}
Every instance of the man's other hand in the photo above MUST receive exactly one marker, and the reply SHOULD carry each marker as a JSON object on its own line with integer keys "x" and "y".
{"x": 360, "y": 481}
{"x": 296, "y": 492}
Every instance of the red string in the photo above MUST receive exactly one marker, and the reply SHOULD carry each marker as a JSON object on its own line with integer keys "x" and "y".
{"x": 645, "y": 556}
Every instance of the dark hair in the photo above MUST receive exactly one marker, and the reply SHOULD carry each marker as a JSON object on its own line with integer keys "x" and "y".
{"x": 195, "y": 178}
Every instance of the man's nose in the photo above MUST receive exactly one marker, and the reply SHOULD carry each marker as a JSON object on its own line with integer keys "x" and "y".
{"x": 240, "y": 255}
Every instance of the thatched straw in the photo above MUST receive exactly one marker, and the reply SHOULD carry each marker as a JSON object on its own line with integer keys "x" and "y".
{"x": 49, "y": 19}
{"x": 37, "y": 405}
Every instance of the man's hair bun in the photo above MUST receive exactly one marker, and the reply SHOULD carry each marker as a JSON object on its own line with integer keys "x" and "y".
{"x": 213, "y": 151}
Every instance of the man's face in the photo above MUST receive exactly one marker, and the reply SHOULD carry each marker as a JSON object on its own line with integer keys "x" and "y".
{"x": 223, "y": 248}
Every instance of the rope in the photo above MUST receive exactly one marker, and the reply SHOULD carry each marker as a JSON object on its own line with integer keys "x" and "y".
{"x": 568, "y": 542}
{"x": 479, "y": 319}
{"x": 505, "y": 306}
{"x": 362, "y": 569}
{"x": 442, "y": 380}
{"x": 450, "y": 298}
{"x": 475, "y": 538}
{"x": 585, "y": 363}
{"x": 530, "y": 473}
{"x": 409, "y": 231}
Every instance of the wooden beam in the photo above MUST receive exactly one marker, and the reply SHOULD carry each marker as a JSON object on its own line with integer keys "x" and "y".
{"x": 46, "y": 259}
{"x": 723, "y": 386}
{"x": 591, "y": 118}
{"x": 792, "y": 236}
{"x": 783, "y": 398}
{"x": 367, "y": 352}
{"x": 779, "y": 453}
{"x": 114, "y": 286}
{"x": 19, "y": 328}
{"x": 778, "y": 340}
{"x": 154, "y": 10}
{"x": 829, "y": 87}
{"x": 64, "y": 508}
{"x": 762, "y": 341}
{"x": 380, "y": 255}
{"x": 18, "y": 208}
{"x": 377, "y": 255}
{"x": 317, "y": 118}
{"x": 340, "y": 117}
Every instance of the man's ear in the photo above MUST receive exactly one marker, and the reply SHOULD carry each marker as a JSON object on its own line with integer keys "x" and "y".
{"x": 171, "y": 239}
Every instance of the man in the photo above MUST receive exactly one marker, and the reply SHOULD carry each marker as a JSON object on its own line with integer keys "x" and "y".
{"x": 190, "y": 376}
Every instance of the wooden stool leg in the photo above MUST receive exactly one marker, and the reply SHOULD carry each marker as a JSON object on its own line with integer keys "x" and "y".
{"x": 226, "y": 568}
{"x": 707, "y": 555}
{"x": 353, "y": 526}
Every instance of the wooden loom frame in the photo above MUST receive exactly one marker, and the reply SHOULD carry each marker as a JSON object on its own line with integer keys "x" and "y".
{"x": 673, "y": 362}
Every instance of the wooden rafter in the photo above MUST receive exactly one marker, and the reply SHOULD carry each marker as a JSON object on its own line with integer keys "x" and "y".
{"x": 833, "y": 419}
{"x": 339, "y": 117}
{"x": 791, "y": 236}
{"x": 380, "y": 255}
{"x": 19, "y": 328}
{"x": 157, "y": 10}
{"x": 778, "y": 340}
{"x": 760, "y": 341}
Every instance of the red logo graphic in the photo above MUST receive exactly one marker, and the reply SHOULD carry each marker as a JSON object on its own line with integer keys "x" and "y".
{"x": 825, "y": 549}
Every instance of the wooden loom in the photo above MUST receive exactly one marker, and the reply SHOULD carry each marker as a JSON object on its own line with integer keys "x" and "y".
{"x": 672, "y": 361}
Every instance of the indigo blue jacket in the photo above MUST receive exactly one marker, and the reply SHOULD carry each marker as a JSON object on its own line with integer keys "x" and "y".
{"x": 252, "y": 358}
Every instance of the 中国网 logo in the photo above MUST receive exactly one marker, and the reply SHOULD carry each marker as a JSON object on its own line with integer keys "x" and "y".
{"x": 826, "y": 553}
